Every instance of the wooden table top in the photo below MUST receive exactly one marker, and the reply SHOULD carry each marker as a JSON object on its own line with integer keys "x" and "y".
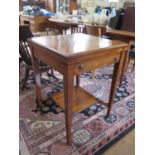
{"x": 73, "y": 45}
{"x": 121, "y": 33}
{"x": 70, "y": 22}
{"x": 62, "y": 21}
{"x": 95, "y": 25}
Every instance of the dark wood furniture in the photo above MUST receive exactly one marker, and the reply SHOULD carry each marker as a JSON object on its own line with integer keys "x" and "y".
{"x": 95, "y": 30}
{"x": 62, "y": 25}
{"x": 36, "y": 23}
{"x": 25, "y": 54}
{"x": 129, "y": 19}
{"x": 73, "y": 55}
{"x": 131, "y": 56}
{"x": 127, "y": 30}
{"x": 128, "y": 27}
{"x": 124, "y": 36}
{"x": 119, "y": 34}
{"x": 73, "y": 5}
{"x": 24, "y": 51}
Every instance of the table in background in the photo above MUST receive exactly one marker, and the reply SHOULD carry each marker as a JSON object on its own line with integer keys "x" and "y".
{"x": 62, "y": 25}
{"x": 124, "y": 36}
{"x": 37, "y": 23}
{"x": 75, "y": 26}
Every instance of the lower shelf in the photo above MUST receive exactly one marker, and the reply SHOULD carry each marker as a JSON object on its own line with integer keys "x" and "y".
{"x": 82, "y": 99}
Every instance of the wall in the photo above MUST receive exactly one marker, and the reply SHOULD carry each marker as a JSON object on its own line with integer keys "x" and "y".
{"x": 121, "y": 2}
{"x": 91, "y": 4}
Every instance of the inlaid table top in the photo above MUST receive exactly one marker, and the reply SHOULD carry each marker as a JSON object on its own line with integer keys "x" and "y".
{"x": 75, "y": 44}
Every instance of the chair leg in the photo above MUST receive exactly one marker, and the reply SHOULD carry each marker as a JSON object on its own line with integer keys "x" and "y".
{"x": 23, "y": 84}
{"x": 78, "y": 80}
{"x": 127, "y": 64}
{"x": 94, "y": 74}
{"x": 52, "y": 72}
{"x": 133, "y": 67}
{"x": 65, "y": 31}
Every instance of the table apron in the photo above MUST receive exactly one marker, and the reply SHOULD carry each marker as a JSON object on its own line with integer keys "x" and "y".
{"x": 51, "y": 60}
{"x": 82, "y": 65}
{"x": 107, "y": 58}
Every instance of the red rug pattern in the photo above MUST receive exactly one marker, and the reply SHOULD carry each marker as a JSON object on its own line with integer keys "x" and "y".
{"x": 46, "y": 135}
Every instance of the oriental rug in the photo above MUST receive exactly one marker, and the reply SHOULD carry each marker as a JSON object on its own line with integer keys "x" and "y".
{"x": 43, "y": 133}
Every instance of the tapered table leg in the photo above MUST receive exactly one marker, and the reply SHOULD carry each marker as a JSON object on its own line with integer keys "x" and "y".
{"x": 94, "y": 74}
{"x": 69, "y": 95}
{"x": 77, "y": 80}
{"x": 116, "y": 74}
{"x": 37, "y": 76}
{"x": 124, "y": 65}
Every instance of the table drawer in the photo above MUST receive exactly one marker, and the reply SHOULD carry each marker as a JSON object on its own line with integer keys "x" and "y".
{"x": 96, "y": 62}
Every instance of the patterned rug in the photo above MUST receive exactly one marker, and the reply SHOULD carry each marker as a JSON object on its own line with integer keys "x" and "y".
{"x": 45, "y": 134}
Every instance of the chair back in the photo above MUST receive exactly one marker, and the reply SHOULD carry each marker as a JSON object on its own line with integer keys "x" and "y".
{"x": 116, "y": 21}
{"x": 128, "y": 3}
{"x": 92, "y": 30}
{"x": 24, "y": 50}
{"x": 129, "y": 19}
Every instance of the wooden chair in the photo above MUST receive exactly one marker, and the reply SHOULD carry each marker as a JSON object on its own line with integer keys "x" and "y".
{"x": 25, "y": 53}
{"x": 95, "y": 30}
{"x": 131, "y": 57}
{"x": 126, "y": 33}
{"x": 129, "y": 19}
{"x": 129, "y": 25}
{"x": 92, "y": 30}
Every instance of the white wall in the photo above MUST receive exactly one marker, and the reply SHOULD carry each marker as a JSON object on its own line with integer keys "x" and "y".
{"x": 91, "y": 4}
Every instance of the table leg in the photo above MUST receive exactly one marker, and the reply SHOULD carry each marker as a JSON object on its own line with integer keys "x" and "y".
{"x": 94, "y": 74}
{"x": 72, "y": 29}
{"x": 37, "y": 82}
{"x": 37, "y": 76}
{"x": 116, "y": 73}
{"x": 124, "y": 64}
{"x": 69, "y": 95}
{"x": 77, "y": 80}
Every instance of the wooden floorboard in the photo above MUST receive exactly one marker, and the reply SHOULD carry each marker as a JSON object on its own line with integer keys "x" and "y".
{"x": 125, "y": 146}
